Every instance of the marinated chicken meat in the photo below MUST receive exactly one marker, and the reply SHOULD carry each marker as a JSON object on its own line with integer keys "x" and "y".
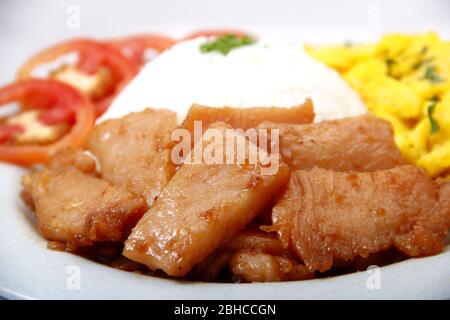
{"x": 200, "y": 209}
{"x": 74, "y": 206}
{"x": 325, "y": 214}
{"x": 134, "y": 151}
{"x": 245, "y": 118}
{"x": 363, "y": 143}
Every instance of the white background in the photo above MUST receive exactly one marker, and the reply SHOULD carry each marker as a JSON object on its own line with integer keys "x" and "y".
{"x": 26, "y": 26}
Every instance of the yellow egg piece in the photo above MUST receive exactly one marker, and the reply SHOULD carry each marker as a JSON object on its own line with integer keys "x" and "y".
{"x": 341, "y": 58}
{"x": 390, "y": 95}
{"x": 436, "y": 161}
{"x": 364, "y": 71}
{"x": 405, "y": 79}
{"x": 414, "y": 145}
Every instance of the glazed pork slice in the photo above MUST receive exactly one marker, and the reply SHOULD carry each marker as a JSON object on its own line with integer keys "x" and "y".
{"x": 258, "y": 256}
{"x": 253, "y": 240}
{"x": 263, "y": 267}
{"x": 250, "y": 239}
{"x": 134, "y": 151}
{"x": 325, "y": 214}
{"x": 200, "y": 209}
{"x": 245, "y": 118}
{"x": 362, "y": 143}
{"x": 72, "y": 205}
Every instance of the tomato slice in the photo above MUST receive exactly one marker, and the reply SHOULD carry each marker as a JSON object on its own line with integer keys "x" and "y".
{"x": 216, "y": 33}
{"x": 134, "y": 47}
{"x": 45, "y": 96}
{"x": 93, "y": 57}
{"x": 8, "y": 131}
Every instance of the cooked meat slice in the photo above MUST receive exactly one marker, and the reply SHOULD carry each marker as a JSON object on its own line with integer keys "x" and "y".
{"x": 200, "y": 209}
{"x": 126, "y": 264}
{"x": 252, "y": 240}
{"x": 264, "y": 218}
{"x": 245, "y": 118}
{"x": 325, "y": 214}
{"x": 72, "y": 158}
{"x": 134, "y": 151}
{"x": 64, "y": 159}
{"x": 262, "y": 267}
{"x": 210, "y": 269}
{"x": 363, "y": 143}
{"x": 73, "y": 206}
{"x": 445, "y": 194}
{"x": 359, "y": 263}
{"x": 67, "y": 158}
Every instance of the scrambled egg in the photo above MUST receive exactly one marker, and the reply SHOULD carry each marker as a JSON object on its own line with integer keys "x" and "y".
{"x": 404, "y": 79}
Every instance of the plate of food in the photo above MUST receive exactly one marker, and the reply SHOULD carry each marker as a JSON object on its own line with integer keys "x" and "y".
{"x": 198, "y": 162}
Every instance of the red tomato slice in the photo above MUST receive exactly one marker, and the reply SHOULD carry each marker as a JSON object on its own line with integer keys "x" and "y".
{"x": 93, "y": 55}
{"x": 8, "y": 131}
{"x": 216, "y": 33}
{"x": 39, "y": 93}
{"x": 133, "y": 47}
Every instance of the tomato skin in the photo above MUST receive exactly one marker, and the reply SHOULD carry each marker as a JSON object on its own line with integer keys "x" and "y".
{"x": 67, "y": 98}
{"x": 6, "y": 132}
{"x": 133, "y": 47}
{"x": 216, "y": 32}
{"x": 92, "y": 55}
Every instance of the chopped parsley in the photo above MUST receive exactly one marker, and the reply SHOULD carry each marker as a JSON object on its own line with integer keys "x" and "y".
{"x": 431, "y": 107}
{"x": 226, "y": 43}
{"x": 422, "y": 62}
{"x": 390, "y": 63}
{"x": 422, "y": 59}
{"x": 424, "y": 50}
{"x": 431, "y": 75}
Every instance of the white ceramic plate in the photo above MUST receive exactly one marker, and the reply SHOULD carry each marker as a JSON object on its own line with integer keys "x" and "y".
{"x": 29, "y": 270}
